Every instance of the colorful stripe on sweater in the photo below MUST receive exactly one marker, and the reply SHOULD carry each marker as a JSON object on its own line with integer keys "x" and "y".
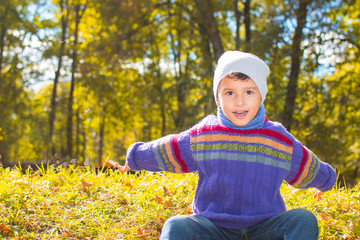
{"x": 309, "y": 167}
{"x": 258, "y": 145}
{"x": 167, "y": 154}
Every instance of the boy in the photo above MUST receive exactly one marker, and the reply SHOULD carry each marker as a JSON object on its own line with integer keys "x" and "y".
{"x": 242, "y": 160}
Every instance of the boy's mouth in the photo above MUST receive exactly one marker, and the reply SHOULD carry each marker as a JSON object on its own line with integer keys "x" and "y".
{"x": 240, "y": 114}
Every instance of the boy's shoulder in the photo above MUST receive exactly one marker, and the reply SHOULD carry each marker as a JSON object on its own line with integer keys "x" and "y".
{"x": 208, "y": 120}
{"x": 274, "y": 125}
{"x": 278, "y": 127}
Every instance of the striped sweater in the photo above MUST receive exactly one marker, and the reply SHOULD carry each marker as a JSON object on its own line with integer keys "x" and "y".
{"x": 240, "y": 171}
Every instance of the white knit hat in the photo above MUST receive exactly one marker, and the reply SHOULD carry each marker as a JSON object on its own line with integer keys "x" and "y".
{"x": 246, "y": 63}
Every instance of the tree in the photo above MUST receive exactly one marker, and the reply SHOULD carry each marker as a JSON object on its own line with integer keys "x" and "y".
{"x": 247, "y": 22}
{"x": 15, "y": 30}
{"x": 330, "y": 102}
{"x": 79, "y": 11}
{"x": 137, "y": 70}
{"x": 64, "y": 11}
{"x": 208, "y": 21}
{"x": 296, "y": 56}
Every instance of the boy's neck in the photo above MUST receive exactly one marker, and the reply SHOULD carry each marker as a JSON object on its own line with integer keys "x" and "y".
{"x": 255, "y": 123}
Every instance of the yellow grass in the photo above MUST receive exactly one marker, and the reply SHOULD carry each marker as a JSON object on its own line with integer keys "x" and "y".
{"x": 78, "y": 204}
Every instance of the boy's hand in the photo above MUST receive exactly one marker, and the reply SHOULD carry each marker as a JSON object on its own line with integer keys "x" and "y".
{"x": 124, "y": 168}
{"x": 110, "y": 163}
{"x": 318, "y": 194}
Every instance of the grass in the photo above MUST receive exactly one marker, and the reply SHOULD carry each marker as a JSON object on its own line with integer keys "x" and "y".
{"x": 76, "y": 203}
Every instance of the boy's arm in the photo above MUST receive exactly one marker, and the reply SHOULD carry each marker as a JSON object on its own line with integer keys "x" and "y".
{"x": 171, "y": 153}
{"x": 124, "y": 168}
{"x": 113, "y": 164}
{"x": 307, "y": 171}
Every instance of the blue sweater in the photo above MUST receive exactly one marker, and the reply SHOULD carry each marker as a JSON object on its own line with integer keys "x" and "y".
{"x": 240, "y": 171}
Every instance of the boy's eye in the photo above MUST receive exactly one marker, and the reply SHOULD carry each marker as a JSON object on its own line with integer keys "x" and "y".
{"x": 229, "y": 93}
{"x": 249, "y": 92}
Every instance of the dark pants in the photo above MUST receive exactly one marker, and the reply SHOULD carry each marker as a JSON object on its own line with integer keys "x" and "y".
{"x": 295, "y": 224}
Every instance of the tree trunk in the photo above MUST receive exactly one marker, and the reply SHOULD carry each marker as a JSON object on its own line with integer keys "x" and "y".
{"x": 163, "y": 115}
{"x": 210, "y": 36}
{"x": 72, "y": 86}
{"x": 3, "y": 146}
{"x": 247, "y": 23}
{"x": 208, "y": 69}
{"x": 64, "y": 22}
{"x": 78, "y": 121}
{"x": 237, "y": 22}
{"x": 181, "y": 85}
{"x": 205, "y": 44}
{"x": 83, "y": 152}
{"x": 158, "y": 85}
{"x": 209, "y": 22}
{"x": 296, "y": 55}
{"x": 2, "y": 41}
{"x": 73, "y": 79}
{"x": 102, "y": 135}
{"x": 2, "y": 46}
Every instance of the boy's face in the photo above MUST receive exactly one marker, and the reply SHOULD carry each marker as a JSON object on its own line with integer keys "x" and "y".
{"x": 239, "y": 99}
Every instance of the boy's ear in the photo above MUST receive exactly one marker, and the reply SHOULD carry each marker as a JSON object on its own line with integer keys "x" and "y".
{"x": 217, "y": 102}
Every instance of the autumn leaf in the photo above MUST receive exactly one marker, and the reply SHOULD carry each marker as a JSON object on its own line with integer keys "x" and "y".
{"x": 128, "y": 184}
{"x": 158, "y": 199}
{"x": 166, "y": 191}
{"x": 188, "y": 209}
{"x": 324, "y": 216}
{"x": 318, "y": 195}
{"x": 86, "y": 184}
{"x": 167, "y": 203}
{"x": 140, "y": 233}
{"x": 4, "y": 230}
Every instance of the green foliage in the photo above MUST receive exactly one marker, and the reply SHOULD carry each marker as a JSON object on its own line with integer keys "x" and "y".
{"x": 77, "y": 203}
{"x": 145, "y": 70}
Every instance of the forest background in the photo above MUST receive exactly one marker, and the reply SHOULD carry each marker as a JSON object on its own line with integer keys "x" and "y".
{"x": 86, "y": 78}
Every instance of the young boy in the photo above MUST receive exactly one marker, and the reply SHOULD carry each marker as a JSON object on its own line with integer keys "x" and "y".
{"x": 242, "y": 160}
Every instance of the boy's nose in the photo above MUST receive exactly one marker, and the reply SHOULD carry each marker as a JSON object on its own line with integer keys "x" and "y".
{"x": 239, "y": 100}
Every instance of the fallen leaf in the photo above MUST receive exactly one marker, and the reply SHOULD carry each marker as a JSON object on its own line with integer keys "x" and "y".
{"x": 158, "y": 199}
{"x": 188, "y": 209}
{"x": 166, "y": 191}
{"x": 167, "y": 203}
{"x": 324, "y": 216}
{"x": 127, "y": 184}
{"x": 4, "y": 229}
{"x": 86, "y": 184}
{"x": 318, "y": 195}
{"x": 139, "y": 232}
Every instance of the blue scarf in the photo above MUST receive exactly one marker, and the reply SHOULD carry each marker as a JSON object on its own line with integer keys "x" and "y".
{"x": 256, "y": 122}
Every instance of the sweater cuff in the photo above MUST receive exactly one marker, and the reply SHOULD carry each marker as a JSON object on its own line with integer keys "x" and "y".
{"x": 130, "y": 156}
{"x": 328, "y": 177}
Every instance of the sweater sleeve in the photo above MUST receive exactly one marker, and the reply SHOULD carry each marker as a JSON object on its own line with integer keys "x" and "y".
{"x": 307, "y": 171}
{"x": 170, "y": 153}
